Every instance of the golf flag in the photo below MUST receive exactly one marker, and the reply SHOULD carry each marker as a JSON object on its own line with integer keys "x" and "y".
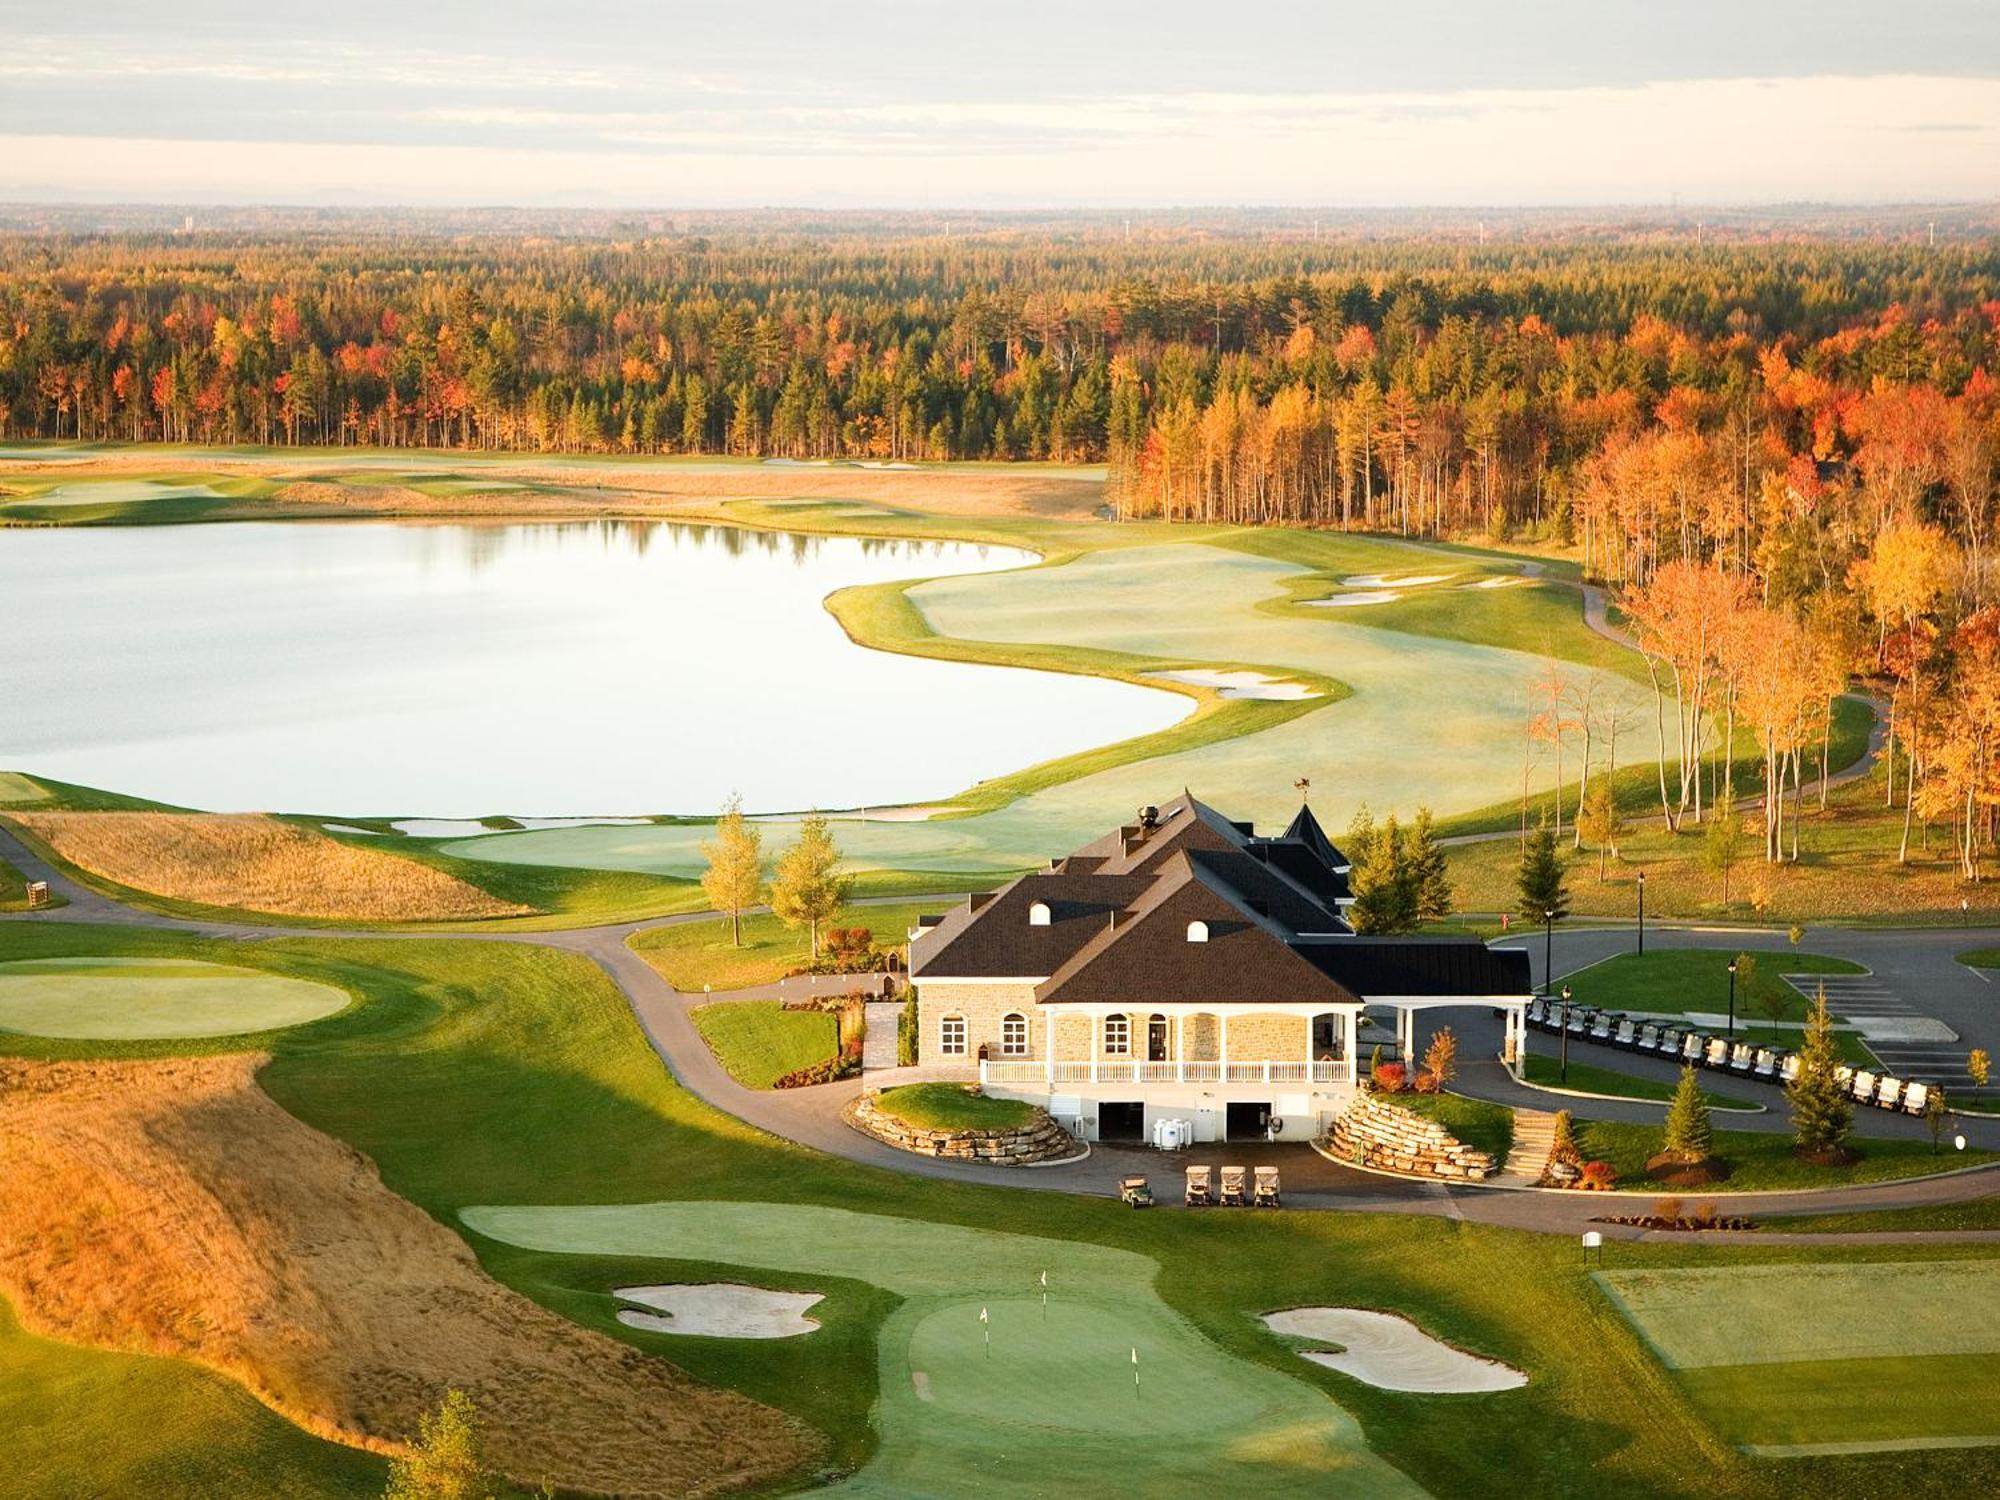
{"x": 1045, "y": 1296}
{"x": 1135, "y": 1372}
{"x": 982, "y": 1315}
{"x": 986, "y": 1332}
{"x": 1135, "y": 1356}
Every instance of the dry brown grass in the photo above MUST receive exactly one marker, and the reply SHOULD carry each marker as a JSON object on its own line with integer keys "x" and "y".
{"x": 258, "y": 864}
{"x": 172, "y": 1208}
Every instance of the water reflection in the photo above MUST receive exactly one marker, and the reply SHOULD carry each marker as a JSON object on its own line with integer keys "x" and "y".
{"x": 565, "y": 667}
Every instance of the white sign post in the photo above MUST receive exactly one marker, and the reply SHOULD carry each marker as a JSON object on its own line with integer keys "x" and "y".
{"x": 1592, "y": 1240}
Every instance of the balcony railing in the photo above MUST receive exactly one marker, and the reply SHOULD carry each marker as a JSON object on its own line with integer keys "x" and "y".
{"x": 1123, "y": 1070}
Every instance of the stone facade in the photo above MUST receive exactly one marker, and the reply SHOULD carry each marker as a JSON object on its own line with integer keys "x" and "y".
{"x": 1376, "y": 1133}
{"x": 1265, "y": 1034}
{"x": 983, "y": 1006}
{"x": 1041, "y": 1139}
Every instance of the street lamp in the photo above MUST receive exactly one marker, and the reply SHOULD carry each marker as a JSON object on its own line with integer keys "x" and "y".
{"x": 1562, "y": 1074}
{"x": 1642, "y": 911}
{"x": 1732, "y": 997}
{"x": 1548, "y": 949}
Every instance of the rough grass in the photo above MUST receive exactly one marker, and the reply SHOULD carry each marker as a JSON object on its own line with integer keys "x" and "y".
{"x": 1974, "y": 1213}
{"x": 1847, "y": 868}
{"x": 171, "y": 1208}
{"x": 946, "y": 1106}
{"x": 257, "y": 863}
{"x": 759, "y": 1041}
{"x": 689, "y": 955}
{"x": 13, "y": 888}
{"x": 1762, "y": 1161}
{"x": 1673, "y": 981}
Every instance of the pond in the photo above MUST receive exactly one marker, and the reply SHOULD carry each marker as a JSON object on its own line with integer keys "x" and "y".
{"x": 549, "y": 669}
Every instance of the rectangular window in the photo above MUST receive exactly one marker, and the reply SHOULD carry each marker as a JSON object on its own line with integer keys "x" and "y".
{"x": 1117, "y": 1036}
{"x": 951, "y": 1036}
{"x": 1014, "y": 1036}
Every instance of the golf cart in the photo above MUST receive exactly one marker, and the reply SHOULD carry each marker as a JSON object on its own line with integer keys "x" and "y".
{"x": 1134, "y": 1192}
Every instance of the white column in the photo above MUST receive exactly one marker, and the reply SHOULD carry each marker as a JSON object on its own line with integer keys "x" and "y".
{"x": 1222, "y": 1018}
{"x": 1049, "y": 1052}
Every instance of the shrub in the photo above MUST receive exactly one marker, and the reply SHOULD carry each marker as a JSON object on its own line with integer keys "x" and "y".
{"x": 1668, "y": 1209}
{"x": 1562, "y": 1146}
{"x": 826, "y": 1070}
{"x": 907, "y": 1026}
{"x": 1706, "y": 1213}
{"x": 1390, "y": 1077}
{"x": 1427, "y": 1081}
{"x": 1441, "y": 1058}
{"x": 1374, "y": 1062}
{"x": 1599, "y": 1176}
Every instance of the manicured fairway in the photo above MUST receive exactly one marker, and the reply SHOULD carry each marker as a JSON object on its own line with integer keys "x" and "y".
{"x": 759, "y": 1041}
{"x": 1828, "y": 1358}
{"x": 1052, "y": 1408}
{"x": 150, "y": 998}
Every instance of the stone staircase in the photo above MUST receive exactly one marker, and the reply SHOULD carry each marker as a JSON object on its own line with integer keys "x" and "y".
{"x": 878, "y": 1043}
{"x": 1534, "y": 1134}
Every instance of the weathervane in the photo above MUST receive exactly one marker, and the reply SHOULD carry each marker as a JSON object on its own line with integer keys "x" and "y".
{"x": 1304, "y": 786}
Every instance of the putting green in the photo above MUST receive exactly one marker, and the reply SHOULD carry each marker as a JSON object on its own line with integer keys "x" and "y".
{"x": 119, "y": 492}
{"x": 1429, "y": 718}
{"x": 1793, "y": 1359}
{"x": 1051, "y": 1408}
{"x": 133, "y": 999}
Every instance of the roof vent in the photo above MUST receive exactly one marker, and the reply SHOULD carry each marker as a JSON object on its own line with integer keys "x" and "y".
{"x": 1038, "y": 914}
{"x": 1197, "y": 932}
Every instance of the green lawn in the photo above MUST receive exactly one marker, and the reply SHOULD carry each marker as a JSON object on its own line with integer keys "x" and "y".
{"x": 152, "y": 998}
{"x": 947, "y": 1106}
{"x": 1975, "y": 1213}
{"x": 1786, "y": 1357}
{"x": 1762, "y": 1161}
{"x": 1589, "y": 1079}
{"x": 482, "y": 1073}
{"x": 1482, "y": 1126}
{"x": 1981, "y": 958}
{"x": 690, "y": 955}
{"x": 13, "y": 888}
{"x": 759, "y": 1041}
{"x": 1673, "y": 981}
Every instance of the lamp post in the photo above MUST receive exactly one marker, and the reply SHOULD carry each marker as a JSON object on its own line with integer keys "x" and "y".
{"x": 1562, "y": 1073}
{"x": 1732, "y": 997}
{"x": 1548, "y": 948}
{"x": 1642, "y": 912}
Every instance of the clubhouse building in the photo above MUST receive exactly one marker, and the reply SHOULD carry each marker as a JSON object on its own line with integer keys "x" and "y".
{"x": 1184, "y": 968}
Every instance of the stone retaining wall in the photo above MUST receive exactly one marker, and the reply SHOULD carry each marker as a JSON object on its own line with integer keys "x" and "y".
{"x": 1041, "y": 1139}
{"x": 1375, "y": 1133}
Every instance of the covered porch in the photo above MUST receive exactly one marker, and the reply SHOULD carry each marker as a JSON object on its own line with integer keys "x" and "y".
{"x": 1248, "y": 1043}
{"x": 1513, "y": 1011}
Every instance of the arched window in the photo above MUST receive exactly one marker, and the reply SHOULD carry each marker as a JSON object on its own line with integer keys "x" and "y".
{"x": 1038, "y": 914}
{"x": 1117, "y": 1036}
{"x": 1014, "y": 1035}
{"x": 951, "y": 1036}
{"x": 1197, "y": 932}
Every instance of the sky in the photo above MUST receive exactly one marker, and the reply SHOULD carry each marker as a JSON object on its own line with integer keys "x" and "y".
{"x": 1027, "y": 103}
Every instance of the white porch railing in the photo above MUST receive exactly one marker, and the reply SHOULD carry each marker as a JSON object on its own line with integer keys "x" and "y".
{"x": 1118, "y": 1070}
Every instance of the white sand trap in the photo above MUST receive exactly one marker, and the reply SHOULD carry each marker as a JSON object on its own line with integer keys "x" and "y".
{"x": 1241, "y": 684}
{"x": 1385, "y": 581}
{"x": 720, "y": 1310}
{"x": 373, "y": 833}
{"x": 1342, "y": 601}
{"x": 471, "y": 828}
{"x": 1506, "y": 582}
{"x": 1391, "y": 1352}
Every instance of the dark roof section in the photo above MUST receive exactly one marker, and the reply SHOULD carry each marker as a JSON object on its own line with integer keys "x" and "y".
{"x": 1420, "y": 966}
{"x": 1305, "y": 830}
{"x": 994, "y": 939}
{"x": 1119, "y": 910}
{"x": 1146, "y": 958}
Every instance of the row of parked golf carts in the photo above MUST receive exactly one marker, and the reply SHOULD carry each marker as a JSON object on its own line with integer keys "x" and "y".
{"x": 1688, "y": 1044}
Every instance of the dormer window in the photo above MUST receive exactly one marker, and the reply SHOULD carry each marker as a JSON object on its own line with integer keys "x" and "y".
{"x": 1038, "y": 914}
{"x": 1197, "y": 932}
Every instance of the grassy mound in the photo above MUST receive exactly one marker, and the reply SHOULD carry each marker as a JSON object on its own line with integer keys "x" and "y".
{"x": 947, "y": 1106}
{"x": 154, "y": 998}
{"x": 1587, "y": 1078}
{"x": 689, "y": 955}
{"x": 171, "y": 1208}
{"x": 257, "y": 864}
{"x": 1478, "y": 1124}
{"x": 759, "y": 1041}
{"x": 1762, "y": 1161}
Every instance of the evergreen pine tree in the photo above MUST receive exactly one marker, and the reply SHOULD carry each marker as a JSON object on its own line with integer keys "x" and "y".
{"x": 1541, "y": 885}
{"x": 1428, "y": 870}
{"x": 1688, "y": 1135}
{"x": 1821, "y": 1110}
{"x": 1385, "y": 888}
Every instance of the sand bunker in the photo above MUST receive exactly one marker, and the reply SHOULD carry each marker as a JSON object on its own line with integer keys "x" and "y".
{"x": 720, "y": 1310}
{"x": 1253, "y": 685}
{"x": 1391, "y": 1352}
{"x": 1386, "y": 581}
{"x": 171, "y": 1208}
{"x": 1367, "y": 596}
{"x": 1498, "y": 583}
{"x": 472, "y": 828}
{"x": 152, "y": 998}
{"x": 120, "y": 492}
